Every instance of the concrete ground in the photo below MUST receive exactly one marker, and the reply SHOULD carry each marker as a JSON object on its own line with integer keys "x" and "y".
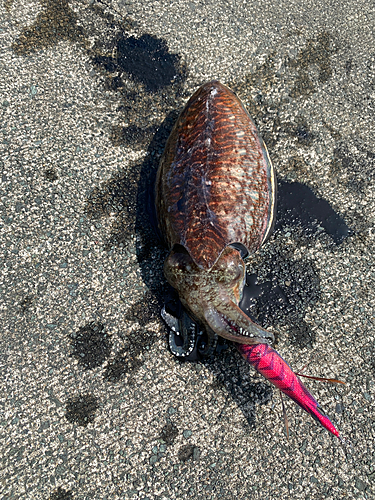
{"x": 93, "y": 405}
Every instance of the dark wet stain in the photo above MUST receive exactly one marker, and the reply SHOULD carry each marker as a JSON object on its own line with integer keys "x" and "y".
{"x": 91, "y": 345}
{"x": 348, "y": 66}
{"x": 257, "y": 89}
{"x": 354, "y": 167}
{"x": 254, "y": 91}
{"x": 169, "y": 433}
{"x": 26, "y": 303}
{"x": 128, "y": 197}
{"x": 51, "y": 175}
{"x": 146, "y": 59}
{"x": 317, "y": 53}
{"x": 301, "y": 131}
{"x": 278, "y": 293}
{"x": 131, "y": 357}
{"x": 246, "y": 395}
{"x": 261, "y": 81}
{"x": 124, "y": 136}
{"x": 339, "y": 408}
{"x": 298, "y": 205}
{"x": 125, "y": 362}
{"x": 362, "y": 228}
{"x": 188, "y": 451}
{"x": 296, "y": 166}
{"x": 143, "y": 312}
{"x": 334, "y": 133}
{"x": 61, "y": 494}
{"x": 54, "y": 23}
{"x": 117, "y": 198}
{"x": 114, "y": 197}
{"x": 81, "y": 409}
{"x": 303, "y": 85}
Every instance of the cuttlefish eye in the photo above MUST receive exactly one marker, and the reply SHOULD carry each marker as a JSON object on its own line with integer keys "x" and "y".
{"x": 178, "y": 265}
{"x": 229, "y": 267}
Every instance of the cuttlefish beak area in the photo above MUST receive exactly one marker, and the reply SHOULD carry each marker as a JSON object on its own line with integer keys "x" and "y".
{"x": 211, "y": 296}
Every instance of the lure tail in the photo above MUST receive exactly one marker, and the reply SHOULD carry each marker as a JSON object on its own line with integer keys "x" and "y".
{"x": 272, "y": 366}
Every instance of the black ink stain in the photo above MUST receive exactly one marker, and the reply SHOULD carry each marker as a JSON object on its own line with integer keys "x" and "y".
{"x": 296, "y": 166}
{"x": 130, "y": 359}
{"x": 61, "y": 494}
{"x": 246, "y": 395}
{"x": 143, "y": 312}
{"x": 169, "y": 433}
{"x": 91, "y": 345}
{"x": 146, "y": 59}
{"x": 54, "y": 23}
{"x": 317, "y": 53}
{"x": 81, "y": 409}
{"x": 117, "y": 198}
{"x": 261, "y": 81}
{"x": 255, "y": 90}
{"x": 334, "y": 133}
{"x": 298, "y": 205}
{"x": 278, "y": 293}
{"x": 353, "y": 167}
{"x": 125, "y": 362}
{"x": 128, "y": 198}
{"x": 51, "y": 175}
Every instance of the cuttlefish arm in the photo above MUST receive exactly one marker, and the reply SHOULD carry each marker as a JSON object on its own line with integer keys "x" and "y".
{"x": 230, "y": 322}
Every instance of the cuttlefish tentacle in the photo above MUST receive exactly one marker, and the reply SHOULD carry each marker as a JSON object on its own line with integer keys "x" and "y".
{"x": 182, "y": 335}
{"x": 185, "y": 336}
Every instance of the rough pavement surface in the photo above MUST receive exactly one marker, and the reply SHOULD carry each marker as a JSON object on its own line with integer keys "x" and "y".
{"x": 93, "y": 405}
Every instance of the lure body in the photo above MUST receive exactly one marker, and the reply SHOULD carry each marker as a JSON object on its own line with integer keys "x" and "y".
{"x": 272, "y": 366}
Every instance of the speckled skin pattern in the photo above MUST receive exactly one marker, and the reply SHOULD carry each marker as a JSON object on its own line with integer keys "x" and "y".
{"x": 215, "y": 184}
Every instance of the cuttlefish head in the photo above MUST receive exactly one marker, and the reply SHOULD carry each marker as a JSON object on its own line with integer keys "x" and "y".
{"x": 211, "y": 296}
